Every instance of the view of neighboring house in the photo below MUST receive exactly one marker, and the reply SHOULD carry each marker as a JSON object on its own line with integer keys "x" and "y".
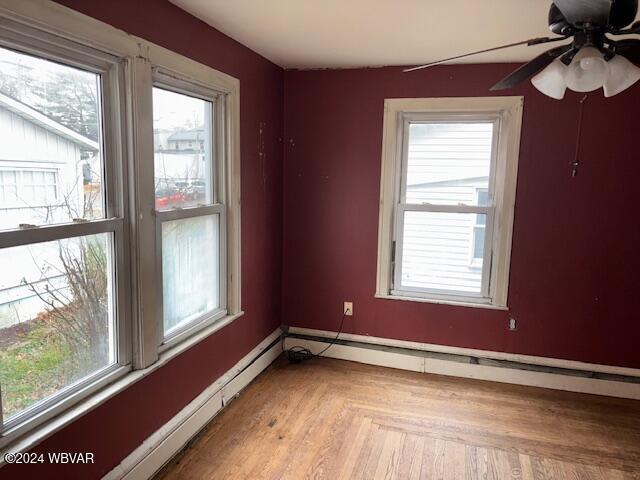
{"x": 187, "y": 140}
{"x": 48, "y": 182}
{"x": 180, "y": 163}
{"x": 57, "y": 179}
{"x": 446, "y": 165}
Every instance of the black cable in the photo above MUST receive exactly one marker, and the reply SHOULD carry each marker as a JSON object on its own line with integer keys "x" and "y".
{"x": 297, "y": 354}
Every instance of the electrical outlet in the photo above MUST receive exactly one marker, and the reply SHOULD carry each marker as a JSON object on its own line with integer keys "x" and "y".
{"x": 348, "y": 309}
{"x": 513, "y": 325}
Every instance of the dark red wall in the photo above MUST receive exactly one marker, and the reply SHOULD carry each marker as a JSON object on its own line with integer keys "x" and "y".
{"x": 574, "y": 264}
{"x": 117, "y": 427}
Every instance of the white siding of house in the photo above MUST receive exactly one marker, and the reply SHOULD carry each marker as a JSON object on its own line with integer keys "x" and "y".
{"x": 446, "y": 165}
{"x": 437, "y": 252}
{"x": 44, "y": 146}
{"x": 179, "y": 166}
{"x": 27, "y": 146}
{"x": 447, "y": 152}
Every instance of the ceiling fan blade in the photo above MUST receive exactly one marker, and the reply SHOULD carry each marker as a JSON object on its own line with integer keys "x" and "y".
{"x": 533, "y": 41}
{"x": 578, "y": 12}
{"x": 623, "y": 12}
{"x": 630, "y": 49}
{"x": 531, "y": 68}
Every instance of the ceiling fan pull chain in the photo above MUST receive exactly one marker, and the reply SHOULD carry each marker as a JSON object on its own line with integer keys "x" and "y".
{"x": 576, "y": 160}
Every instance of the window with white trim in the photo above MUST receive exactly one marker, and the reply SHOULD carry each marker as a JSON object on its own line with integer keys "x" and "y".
{"x": 117, "y": 250}
{"x": 190, "y": 215}
{"x": 448, "y": 188}
{"x": 63, "y": 325}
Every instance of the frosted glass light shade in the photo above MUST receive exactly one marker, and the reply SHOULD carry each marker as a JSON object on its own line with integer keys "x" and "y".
{"x": 551, "y": 80}
{"x": 588, "y": 70}
{"x": 622, "y": 74}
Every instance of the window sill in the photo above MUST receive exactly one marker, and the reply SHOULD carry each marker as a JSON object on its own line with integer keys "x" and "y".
{"x": 84, "y": 406}
{"x": 454, "y": 303}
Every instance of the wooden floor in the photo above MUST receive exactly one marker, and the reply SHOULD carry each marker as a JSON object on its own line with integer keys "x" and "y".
{"x": 334, "y": 419}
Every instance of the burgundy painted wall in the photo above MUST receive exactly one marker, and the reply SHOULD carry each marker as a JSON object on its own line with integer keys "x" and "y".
{"x": 574, "y": 264}
{"x": 118, "y": 426}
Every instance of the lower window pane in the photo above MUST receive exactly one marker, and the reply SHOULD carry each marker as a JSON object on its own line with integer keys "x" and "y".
{"x": 56, "y": 317}
{"x": 440, "y": 252}
{"x": 190, "y": 260}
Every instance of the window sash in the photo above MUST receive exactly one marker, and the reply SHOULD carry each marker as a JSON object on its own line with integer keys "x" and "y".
{"x": 401, "y": 206}
{"x": 397, "y": 287}
{"x": 49, "y": 406}
{"x": 178, "y": 334}
{"x": 169, "y": 80}
{"x": 111, "y": 112}
{"x": 407, "y": 119}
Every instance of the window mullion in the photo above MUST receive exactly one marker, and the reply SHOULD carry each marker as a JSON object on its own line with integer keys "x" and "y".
{"x": 147, "y": 286}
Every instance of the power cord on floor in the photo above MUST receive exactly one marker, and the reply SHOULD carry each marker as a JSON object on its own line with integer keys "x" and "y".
{"x": 297, "y": 354}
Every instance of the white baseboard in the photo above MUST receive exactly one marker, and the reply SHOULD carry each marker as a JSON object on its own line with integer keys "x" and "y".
{"x": 418, "y": 361}
{"x": 169, "y": 439}
{"x": 471, "y": 352}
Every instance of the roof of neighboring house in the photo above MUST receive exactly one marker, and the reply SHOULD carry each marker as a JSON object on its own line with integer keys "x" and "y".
{"x": 195, "y": 134}
{"x": 46, "y": 122}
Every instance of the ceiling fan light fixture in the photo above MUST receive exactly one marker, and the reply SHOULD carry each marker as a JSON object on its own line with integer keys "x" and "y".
{"x": 588, "y": 70}
{"x": 622, "y": 74}
{"x": 551, "y": 81}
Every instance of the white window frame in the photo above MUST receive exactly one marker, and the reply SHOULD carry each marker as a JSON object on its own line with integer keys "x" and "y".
{"x": 24, "y": 38}
{"x": 506, "y": 114}
{"x": 49, "y": 26}
{"x": 170, "y": 81}
{"x": 160, "y": 67}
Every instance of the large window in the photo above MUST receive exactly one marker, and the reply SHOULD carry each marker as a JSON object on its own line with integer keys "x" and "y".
{"x": 188, "y": 133}
{"x": 119, "y": 213}
{"x": 61, "y": 324}
{"x": 448, "y": 186}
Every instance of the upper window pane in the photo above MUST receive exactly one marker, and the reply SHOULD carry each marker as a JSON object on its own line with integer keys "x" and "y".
{"x": 50, "y": 135}
{"x": 182, "y": 138}
{"x": 448, "y": 162}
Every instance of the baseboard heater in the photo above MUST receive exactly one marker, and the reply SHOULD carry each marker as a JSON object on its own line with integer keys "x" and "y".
{"x": 458, "y": 365}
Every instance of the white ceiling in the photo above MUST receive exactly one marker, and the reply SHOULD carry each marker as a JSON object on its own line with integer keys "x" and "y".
{"x": 361, "y": 33}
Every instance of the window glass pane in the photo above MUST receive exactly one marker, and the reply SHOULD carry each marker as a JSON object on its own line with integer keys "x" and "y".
{"x": 50, "y": 131}
{"x": 190, "y": 265}
{"x": 182, "y": 138}
{"x": 483, "y": 197}
{"x": 56, "y": 317}
{"x": 478, "y": 241}
{"x": 448, "y": 162}
{"x": 437, "y": 252}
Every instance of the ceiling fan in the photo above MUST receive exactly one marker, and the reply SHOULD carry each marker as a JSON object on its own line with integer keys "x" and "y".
{"x": 592, "y": 60}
